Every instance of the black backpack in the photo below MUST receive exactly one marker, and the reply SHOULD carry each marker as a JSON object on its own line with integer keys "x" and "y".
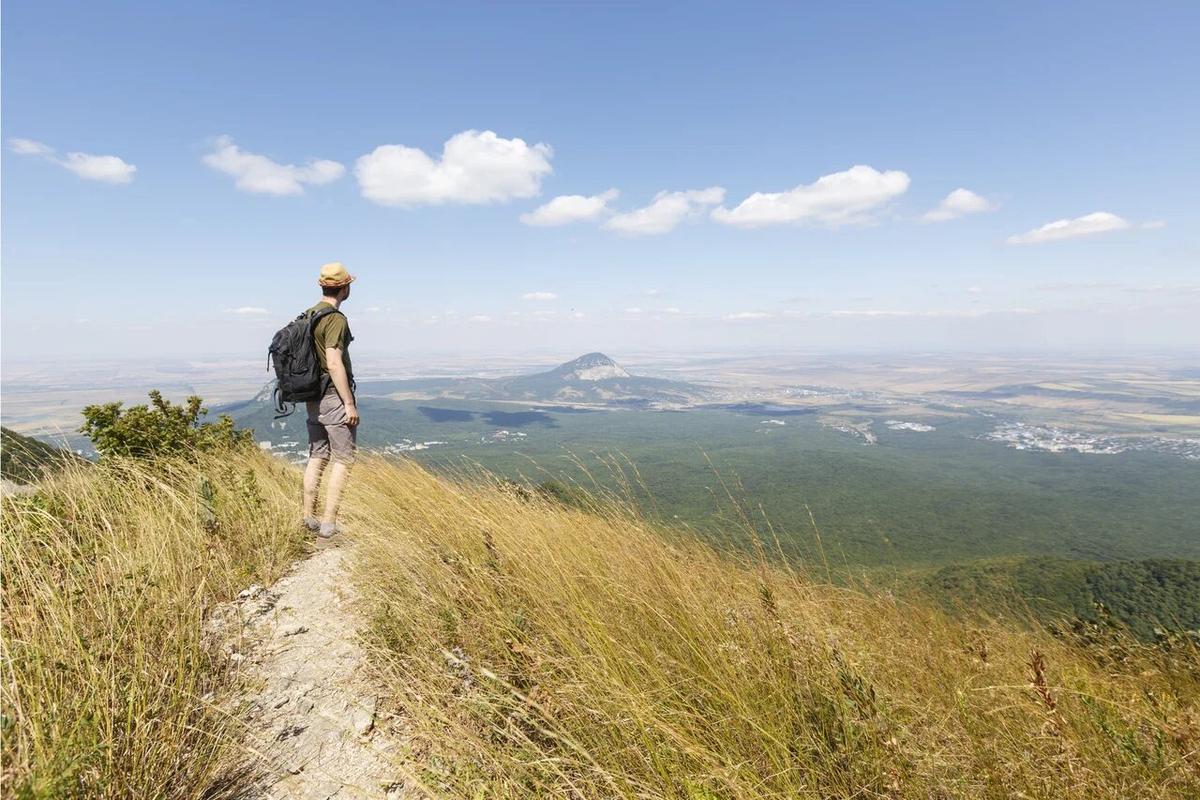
{"x": 293, "y": 352}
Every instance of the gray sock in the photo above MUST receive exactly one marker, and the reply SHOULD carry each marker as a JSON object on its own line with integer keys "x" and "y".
{"x": 328, "y": 529}
{"x": 312, "y": 523}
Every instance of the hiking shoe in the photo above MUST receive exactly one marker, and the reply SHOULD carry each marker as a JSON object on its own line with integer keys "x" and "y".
{"x": 328, "y": 530}
{"x": 312, "y": 523}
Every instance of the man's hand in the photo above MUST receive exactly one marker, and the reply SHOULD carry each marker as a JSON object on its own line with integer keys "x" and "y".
{"x": 352, "y": 415}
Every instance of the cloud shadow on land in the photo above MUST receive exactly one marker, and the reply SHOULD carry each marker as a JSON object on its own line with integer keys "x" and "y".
{"x": 519, "y": 419}
{"x": 445, "y": 414}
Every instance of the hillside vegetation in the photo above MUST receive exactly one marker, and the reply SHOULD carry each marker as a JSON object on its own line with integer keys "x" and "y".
{"x": 24, "y": 459}
{"x": 545, "y": 651}
{"x": 1151, "y": 598}
{"x": 109, "y": 569}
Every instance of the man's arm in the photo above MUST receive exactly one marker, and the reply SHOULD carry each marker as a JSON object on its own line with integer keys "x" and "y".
{"x": 341, "y": 382}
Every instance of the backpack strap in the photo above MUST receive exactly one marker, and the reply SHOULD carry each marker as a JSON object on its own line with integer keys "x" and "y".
{"x": 314, "y": 318}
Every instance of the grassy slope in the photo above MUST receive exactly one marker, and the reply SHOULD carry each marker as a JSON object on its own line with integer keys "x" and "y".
{"x": 23, "y": 459}
{"x": 108, "y": 571}
{"x": 543, "y": 651}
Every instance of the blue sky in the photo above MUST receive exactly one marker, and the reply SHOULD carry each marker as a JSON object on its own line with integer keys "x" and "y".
{"x": 253, "y": 142}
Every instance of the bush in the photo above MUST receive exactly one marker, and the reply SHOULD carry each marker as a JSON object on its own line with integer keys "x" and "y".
{"x": 159, "y": 429}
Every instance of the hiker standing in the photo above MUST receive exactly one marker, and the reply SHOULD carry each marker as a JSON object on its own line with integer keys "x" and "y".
{"x": 333, "y": 416}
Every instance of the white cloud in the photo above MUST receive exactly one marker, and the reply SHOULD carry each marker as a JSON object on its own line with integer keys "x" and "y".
{"x": 747, "y": 315}
{"x": 838, "y": 199}
{"x": 475, "y": 167}
{"x": 974, "y": 290}
{"x": 634, "y": 310}
{"x": 1154, "y": 225}
{"x": 249, "y": 311}
{"x": 568, "y": 208}
{"x": 479, "y": 318}
{"x": 957, "y": 204}
{"x": 672, "y": 310}
{"x": 28, "y": 147}
{"x": 260, "y": 175}
{"x": 948, "y": 313}
{"x": 107, "y": 169}
{"x": 1087, "y": 225}
{"x": 665, "y": 211}
{"x": 539, "y": 296}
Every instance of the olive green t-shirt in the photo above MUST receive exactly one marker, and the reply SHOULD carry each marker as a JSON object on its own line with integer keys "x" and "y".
{"x": 332, "y": 330}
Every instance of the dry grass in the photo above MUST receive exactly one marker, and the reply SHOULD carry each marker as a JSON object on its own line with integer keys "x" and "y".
{"x": 108, "y": 571}
{"x": 542, "y": 651}
{"x": 546, "y": 652}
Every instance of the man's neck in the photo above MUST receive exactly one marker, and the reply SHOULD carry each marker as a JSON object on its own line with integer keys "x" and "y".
{"x": 333, "y": 301}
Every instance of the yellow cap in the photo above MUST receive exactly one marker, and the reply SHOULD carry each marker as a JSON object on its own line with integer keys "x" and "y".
{"x": 334, "y": 274}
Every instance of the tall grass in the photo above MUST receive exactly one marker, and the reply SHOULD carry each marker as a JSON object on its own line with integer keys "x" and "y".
{"x": 108, "y": 571}
{"x": 544, "y": 651}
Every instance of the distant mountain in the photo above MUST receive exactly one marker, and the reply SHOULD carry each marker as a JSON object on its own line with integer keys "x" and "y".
{"x": 591, "y": 379}
{"x": 590, "y": 367}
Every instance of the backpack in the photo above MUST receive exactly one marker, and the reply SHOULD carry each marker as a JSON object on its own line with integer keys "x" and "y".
{"x": 293, "y": 353}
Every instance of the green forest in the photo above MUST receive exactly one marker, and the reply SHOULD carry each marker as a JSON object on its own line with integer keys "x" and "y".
{"x": 1150, "y": 597}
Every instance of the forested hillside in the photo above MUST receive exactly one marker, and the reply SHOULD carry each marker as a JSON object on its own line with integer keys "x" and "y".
{"x": 1149, "y": 597}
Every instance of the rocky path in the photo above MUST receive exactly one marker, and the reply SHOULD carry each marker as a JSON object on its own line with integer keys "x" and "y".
{"x": 314, "y": 730}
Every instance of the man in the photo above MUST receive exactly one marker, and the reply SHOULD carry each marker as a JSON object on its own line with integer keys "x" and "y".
{"x": 332, "y": 420}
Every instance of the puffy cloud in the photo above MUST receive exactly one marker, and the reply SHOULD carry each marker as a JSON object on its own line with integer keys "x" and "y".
{"x": 838, "y": 199}
{"x": 539, "y": 296}
{"x": 957, "y": 204}
{"x": 475, "y": 168}
{"x": 260, "y": 175}
{"x": 248, "y": 311}
{"x": 666, "y": 210}
{"x": 568, "y": 208}
{"x": 1087, "y": 225}
{"x": 107, "y": 169}
{"x": 28, "y": 147}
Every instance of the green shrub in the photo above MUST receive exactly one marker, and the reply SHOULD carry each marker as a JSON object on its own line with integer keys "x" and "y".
{"x": 159, "y": 429}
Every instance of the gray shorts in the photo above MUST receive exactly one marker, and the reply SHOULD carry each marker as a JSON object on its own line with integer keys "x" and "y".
{"x": 328, "y": 434}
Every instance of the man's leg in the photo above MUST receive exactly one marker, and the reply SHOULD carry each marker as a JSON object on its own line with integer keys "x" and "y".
{"x": 343, "y": 445}
{"x": 312, "y": 485}
{"x": 318, "y": 458}
{"x": 338, "y": 474}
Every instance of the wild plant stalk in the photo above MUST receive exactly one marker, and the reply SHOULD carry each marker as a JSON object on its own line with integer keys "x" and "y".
{"x": 108, "y": 571}
{"x": 544, "y": 651}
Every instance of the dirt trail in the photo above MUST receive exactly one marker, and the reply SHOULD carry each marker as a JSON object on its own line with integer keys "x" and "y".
{"x": 313, "y": 727}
